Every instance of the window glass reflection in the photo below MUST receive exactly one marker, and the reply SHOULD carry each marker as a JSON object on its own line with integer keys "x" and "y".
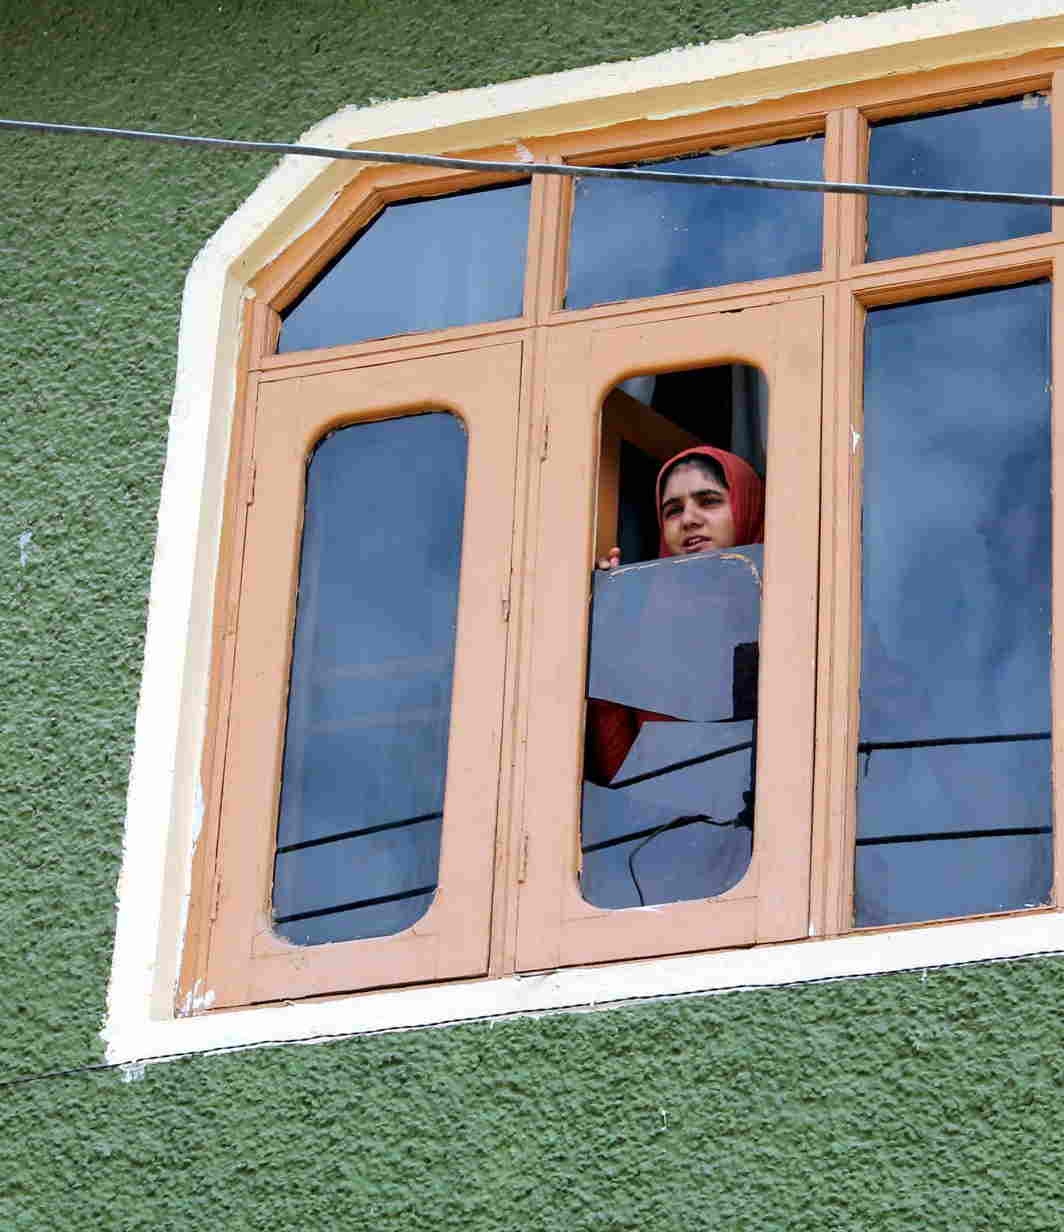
{"x": 954, "y": 804}
{"x": 994, "y": 147}
{"x": 369, "y": 702}
{"x": 634, "y": 239}
{"x": 419, "y": 265}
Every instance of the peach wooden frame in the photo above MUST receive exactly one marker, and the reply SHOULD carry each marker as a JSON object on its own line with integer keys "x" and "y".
{"x": 291, "y": 417}
{"x": 533, "y": 707}
{"x": 557, "y": 927}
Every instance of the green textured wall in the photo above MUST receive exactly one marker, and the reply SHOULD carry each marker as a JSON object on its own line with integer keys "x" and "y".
{"x": 891, "y": 1103}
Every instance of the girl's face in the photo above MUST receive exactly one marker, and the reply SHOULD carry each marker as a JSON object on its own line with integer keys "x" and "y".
{"x": 696, "y": 512}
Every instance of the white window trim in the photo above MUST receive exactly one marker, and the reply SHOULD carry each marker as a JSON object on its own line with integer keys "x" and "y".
{"x": 165, "y": 801}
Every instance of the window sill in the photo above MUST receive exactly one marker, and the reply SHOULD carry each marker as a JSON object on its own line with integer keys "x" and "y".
{"x": 134, "y": 1037}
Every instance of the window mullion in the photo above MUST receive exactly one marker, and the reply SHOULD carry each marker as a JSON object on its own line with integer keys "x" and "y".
{"x": 547, "y": 241}
{"x": 1057, "y": 550}
{"x": 518, "y": 611}
{"x": 848, "y": 211}
{"x": 838, "y": 654}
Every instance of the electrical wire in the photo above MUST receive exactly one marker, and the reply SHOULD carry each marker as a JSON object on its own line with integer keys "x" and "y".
{"x": 525, "y": 169}
{"x": 942, "y": 836}
{"x": 318, "y": 912}
{"x": 680, "y": 765}
{"x": 674, "y": 824}
{"x": 287, "y": 848}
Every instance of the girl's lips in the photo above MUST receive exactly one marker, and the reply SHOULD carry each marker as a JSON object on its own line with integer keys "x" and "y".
{"x": 695, "y": 543}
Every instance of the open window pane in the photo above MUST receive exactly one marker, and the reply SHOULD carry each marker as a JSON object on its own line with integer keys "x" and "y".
{"x": 419, "y": 265}
{"x": 994, "y": 147}
{"x": 369, "y": 704}
{"x": 954, "y": 803}
{"x": 672, "y": 680}
{"x": 634, "y": 239}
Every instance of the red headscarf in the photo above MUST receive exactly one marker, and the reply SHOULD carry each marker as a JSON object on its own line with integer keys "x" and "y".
{"x": 746, "y": 494}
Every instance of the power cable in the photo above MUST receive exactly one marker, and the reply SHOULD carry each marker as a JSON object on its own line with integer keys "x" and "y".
{"x": 524, "y": 169}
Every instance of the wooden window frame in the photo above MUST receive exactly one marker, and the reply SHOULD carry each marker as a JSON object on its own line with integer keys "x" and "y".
{"x": 844, "y": 288}
{"x": 247, "y": 959}
{"x": 557, "y": 927}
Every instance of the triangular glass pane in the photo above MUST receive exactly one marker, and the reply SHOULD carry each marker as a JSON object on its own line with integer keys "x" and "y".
{"x": 419, "y": 265}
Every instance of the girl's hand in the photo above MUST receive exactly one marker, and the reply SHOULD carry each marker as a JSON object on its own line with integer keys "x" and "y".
{"x": 611, "y": 561}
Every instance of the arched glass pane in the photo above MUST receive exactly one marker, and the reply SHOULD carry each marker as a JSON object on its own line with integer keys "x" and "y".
{"x": 631, "y": 239}
{"x": 369, "y": 701}
{"x": 994, "y": 147}
{"x": 419, "y": 265}
{"x": 954, "y": 794}
{"x": 668, "y": 797}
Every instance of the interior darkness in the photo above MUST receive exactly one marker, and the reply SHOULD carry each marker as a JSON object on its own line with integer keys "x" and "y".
{"x": 698, "y": 399}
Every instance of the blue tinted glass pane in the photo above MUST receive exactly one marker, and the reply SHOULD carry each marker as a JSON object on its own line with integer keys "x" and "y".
{"x": 675, "y": 638}
{"x": 667, "y": 608}
{"x": 654, "y": 840}
{"x": 419, "y": 265}
{"x": 996, "y": 147}
{"x": 954, "y": 803}
{"x": 369, "y": 702}
{"x": 634, "y": 239}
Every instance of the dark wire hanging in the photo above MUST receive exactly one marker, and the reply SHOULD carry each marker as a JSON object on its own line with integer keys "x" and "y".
{"x": 525, "y": 169}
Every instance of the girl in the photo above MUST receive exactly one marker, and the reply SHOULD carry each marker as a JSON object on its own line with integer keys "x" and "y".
{"x": 707, "y": 499}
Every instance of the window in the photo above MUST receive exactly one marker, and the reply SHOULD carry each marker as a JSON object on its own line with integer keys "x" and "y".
{"x": 783, "y": 341}
{"x": 508, "y": 363}
{"x": 954, "y": 803}
{"x": 365, "y": 757}
{"x": 670, "y": 726}
{"x": 293, "y": 418}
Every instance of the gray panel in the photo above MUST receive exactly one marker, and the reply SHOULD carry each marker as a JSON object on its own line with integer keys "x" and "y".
{"x": 676, "y": 822}
{"x": 668, "y": 635}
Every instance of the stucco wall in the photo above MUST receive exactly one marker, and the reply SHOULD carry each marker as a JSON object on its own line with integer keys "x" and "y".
{"x": 895, "y": 1102}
